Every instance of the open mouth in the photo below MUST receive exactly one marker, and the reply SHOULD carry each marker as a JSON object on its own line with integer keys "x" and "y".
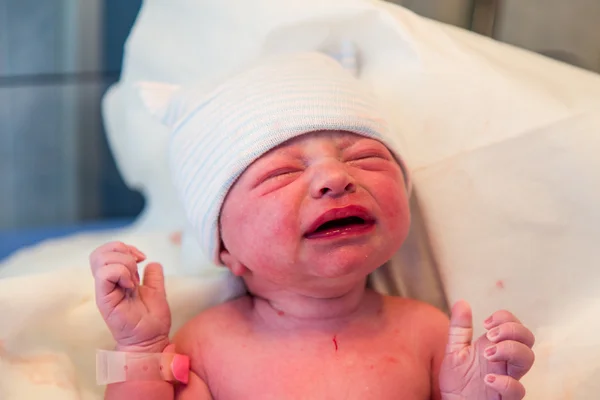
{"x": 340, "y": 224}
{"x": 341, "y": 221}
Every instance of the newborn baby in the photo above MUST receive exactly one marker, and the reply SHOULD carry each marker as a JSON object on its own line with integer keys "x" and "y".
{"x": 293, "y": 182}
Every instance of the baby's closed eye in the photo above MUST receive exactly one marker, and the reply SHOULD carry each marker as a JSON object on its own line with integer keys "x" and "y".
{"x": 372, "y": 161}
{"x": 281, "y": 173}
{"x": 276, "y": 177}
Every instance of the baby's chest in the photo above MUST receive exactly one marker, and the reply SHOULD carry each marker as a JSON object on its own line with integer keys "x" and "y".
{"x": 339, "y": 372}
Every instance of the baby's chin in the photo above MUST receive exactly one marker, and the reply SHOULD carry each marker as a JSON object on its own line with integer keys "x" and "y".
{"x": 348, "y": 263}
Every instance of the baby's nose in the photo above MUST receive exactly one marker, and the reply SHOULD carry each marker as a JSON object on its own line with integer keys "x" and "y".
{"x": 332, "y": 179}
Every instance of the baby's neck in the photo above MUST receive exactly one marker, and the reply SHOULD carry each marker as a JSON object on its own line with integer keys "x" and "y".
{"x": 307, "y": 310}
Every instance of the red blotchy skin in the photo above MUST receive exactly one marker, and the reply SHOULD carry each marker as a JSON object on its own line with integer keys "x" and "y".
{"x": 500, "y": 284}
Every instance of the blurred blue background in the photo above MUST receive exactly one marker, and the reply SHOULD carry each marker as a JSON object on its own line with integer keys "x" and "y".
{"x": 58, "y": 57}
{"x": 57, "y": 176}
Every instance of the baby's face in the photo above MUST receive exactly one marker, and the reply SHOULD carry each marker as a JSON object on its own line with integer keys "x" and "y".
{"x": 322, "y": 210}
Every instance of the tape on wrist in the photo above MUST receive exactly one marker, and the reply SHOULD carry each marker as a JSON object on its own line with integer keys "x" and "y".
{"x": 120, "y": 366}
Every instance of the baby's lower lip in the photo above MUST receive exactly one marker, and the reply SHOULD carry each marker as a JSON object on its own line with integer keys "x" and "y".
{"x": 342, "y": 232}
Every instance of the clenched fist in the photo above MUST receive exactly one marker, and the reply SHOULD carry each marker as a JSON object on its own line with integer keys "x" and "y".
{"x": 137, "y": 313}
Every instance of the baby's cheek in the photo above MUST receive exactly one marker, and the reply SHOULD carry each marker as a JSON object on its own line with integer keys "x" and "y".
{"x": 236, "y": 223}
{"x": 277, "y": 228}
{"x": 397, "y": 210}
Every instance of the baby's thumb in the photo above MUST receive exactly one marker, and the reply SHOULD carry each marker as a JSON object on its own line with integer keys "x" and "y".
{"x": 154, "y": 277}
{"x": 460, "y": 333}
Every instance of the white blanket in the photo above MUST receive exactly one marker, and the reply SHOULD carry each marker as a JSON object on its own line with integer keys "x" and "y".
{"x": 51, "y": 328}
{"x": 49, "y": 323}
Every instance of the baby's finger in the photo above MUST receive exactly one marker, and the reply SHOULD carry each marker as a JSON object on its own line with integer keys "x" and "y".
{"x": 518, "y": 357}
{"x": 500, "y": 317}
{"x": 114, "y": 247}
{"x": 154, "y": 277}
{"x": 508, "y": 387}
{"x": 136, "y": 253}
{"x": 111, "y": 276}
{"x": 511, "y": 331}
{"x": 118, "y": 258}
{"x": 109, "y": 247}
{"x": 460, "y": 333}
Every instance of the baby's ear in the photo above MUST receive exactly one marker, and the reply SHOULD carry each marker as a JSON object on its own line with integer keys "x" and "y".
{"x": 157, "y": 98}
{"x": 232, "y": 263}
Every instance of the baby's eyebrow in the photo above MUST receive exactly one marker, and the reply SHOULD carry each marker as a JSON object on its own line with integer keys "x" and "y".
{"x": 362, "y": 141}
{"x": 346, "y": 142}
{"x": 286, "y": 153}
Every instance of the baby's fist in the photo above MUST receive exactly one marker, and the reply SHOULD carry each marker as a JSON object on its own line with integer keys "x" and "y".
{"x": 137, "y": 315}
{"x": 490, "y": 367}
{"x": 511, "y": 343}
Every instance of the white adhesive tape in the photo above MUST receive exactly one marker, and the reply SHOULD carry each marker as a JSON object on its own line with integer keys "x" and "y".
{"x": 118, "y": 366}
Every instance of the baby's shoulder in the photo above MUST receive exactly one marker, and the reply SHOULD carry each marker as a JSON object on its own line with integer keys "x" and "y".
{"x": 419, "y": 323}
{"x": 416, "y": 313}
{"x": 197, "y": 337}
{"x": 230, "y": 316}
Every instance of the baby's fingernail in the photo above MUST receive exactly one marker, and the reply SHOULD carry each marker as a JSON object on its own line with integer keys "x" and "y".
{"x": 490, "y": 378}
{"x": 493, "y": 333}
{"x": 489, "y": 320}
{"x": 490, "y": 351}
{"x": 135, "y": 252}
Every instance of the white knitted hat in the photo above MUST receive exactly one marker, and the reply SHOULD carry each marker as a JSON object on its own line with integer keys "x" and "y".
{"x": 217, "y": 134}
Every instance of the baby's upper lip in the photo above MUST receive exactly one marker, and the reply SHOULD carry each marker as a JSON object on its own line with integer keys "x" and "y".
{"x": 339, "y": 213}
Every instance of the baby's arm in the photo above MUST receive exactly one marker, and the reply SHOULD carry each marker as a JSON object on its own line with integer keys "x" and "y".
{"x": 439, "y": 350}
{"x": 139, "y": 318}
{"x": 436, "y": 335}
{"x": 195, "y": 388}
{"x": 186, "y": 340}
{"x": 151, "y": 390}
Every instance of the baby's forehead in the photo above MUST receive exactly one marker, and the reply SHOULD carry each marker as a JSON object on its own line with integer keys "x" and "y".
{"x": 341, "y": 139}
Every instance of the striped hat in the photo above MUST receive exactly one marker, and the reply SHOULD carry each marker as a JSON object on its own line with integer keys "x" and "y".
{"x": 217, "y": 134}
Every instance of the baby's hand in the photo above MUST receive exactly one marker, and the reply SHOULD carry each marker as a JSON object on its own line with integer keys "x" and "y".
{"x": 138, "y": 316}
{"x": 489, "y": 368}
